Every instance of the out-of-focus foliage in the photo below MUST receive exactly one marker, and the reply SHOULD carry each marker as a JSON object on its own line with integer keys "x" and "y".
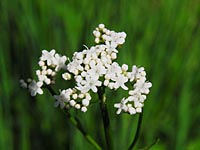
{"x": 163, "y": 36}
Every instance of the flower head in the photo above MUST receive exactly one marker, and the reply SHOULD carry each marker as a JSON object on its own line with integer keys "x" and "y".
{"x": 91, "y": 69}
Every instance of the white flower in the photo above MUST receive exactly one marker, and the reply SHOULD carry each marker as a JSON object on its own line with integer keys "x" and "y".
{"x": 35, "y": 88}
{"x": 134, "y": 95}
{"x": 112, "y": 70}
{"x": 111, "y": 47}
{"x": 113, "y": 38}
{"x": 132, "y": 74}
{"x": 78, "y": 55}
{"x": 42, "y": 77}
{"x": 131, "y": 110}
{"x": 74, "y": 67}
{"x": 90, "y": 83}
{"x": 140, "y": 73}
{"x": 48, "y": 56}
{"x": 120, "y": 81}
{"x": 106, "y": 60}
{"x": 60, "y": 62}
{"x": 63, "y": 98}
{"x": 121, "y": 106}
{"x": 142, "y": 86}
{"x": 97, "y": 70}
{"x": 99, "y": 49}
{"x": 79, "y": 78}
{"x": 118, "y": 38}
{"x": 137, "y": 104}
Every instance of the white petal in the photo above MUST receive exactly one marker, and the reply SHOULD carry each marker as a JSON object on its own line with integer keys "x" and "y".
{"x": 40, "y": 91}
{"x": 117, "y": 105}
{"x": 139, "y": 110}
{"x": 124, "y": 87}
{"x": 94, "y": 89}
{"x": 118, "y": 111}
{"x": 131, "y": 110}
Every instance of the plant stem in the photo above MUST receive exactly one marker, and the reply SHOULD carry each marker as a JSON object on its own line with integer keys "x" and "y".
{"x": 148, "y": 147}
{"x": 76, "y": 122}
{"x": 105, "y": 117}
{"x": 137, "y": 132}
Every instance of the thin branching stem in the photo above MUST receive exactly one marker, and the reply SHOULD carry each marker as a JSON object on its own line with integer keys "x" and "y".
{"x": 105, "y": 117}
{"x": 137, "y": 132}
{"x": 151, "y": 145}
{"x": 76, "y": 122}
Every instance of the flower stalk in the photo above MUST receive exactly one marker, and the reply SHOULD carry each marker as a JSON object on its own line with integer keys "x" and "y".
{"x": 137, "y": 132}
{"x": 76, "y": 122}
{"x": 105, "y": 117}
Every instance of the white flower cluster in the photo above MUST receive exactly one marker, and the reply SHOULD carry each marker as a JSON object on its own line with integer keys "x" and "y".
{"x": 73, "y": 98}
{"x": 134, "y": 102}
{"x": 91, "y": 69}
{"x": 50, "y": 63}
{"x": 110, "y": 38}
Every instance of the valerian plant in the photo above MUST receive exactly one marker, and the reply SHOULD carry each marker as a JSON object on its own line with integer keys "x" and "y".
{"x": 93, "y": 70}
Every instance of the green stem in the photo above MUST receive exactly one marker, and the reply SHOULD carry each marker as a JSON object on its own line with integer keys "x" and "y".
{"x": 105, "y": 117}
{"x": 148, "y": 147}
{"x": 137, "y": 132}
{"x": 76, "y": 122}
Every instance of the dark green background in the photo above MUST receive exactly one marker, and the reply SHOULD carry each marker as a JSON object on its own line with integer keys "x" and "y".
{"x": 162, "y": 35}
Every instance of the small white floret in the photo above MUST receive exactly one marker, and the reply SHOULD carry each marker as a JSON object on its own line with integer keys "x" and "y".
{"x": 83, "y": 109}
{"x": 66, "y": 76}
{"x": 101, "y": 26}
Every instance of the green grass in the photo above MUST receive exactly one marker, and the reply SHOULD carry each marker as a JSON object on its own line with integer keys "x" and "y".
{"x": 162, "y": 35}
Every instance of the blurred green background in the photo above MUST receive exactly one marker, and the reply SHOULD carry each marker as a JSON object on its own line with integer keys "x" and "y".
{"x": 162, "y": 35}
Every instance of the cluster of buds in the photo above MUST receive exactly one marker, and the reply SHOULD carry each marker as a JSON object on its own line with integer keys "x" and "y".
{"x": 50, "y": 63}
{"x": 91, "y": 69}
{"x": 110, "y": 38}
{"x": 71, "y": 98}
